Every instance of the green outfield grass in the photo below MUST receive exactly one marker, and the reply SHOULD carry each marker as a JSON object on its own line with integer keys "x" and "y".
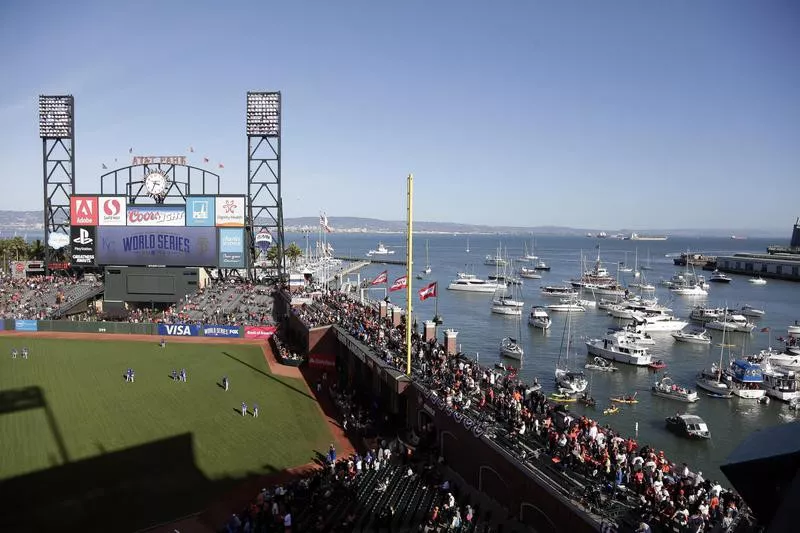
{"x": 88, "y": 410}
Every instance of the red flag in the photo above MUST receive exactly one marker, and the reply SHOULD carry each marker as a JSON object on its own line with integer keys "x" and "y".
{"x": 399, "y": 284}
{"x": 205, "y": 160}
{"x": 764, "y": 330}
{"x": 221, "y": 165}
{"x": 383, "y": 277}
{"x": 429, "y": 291}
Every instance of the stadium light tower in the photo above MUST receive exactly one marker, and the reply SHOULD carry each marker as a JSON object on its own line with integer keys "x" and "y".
{"x": 265, "y": 213}
{"x": 57, "y": 131}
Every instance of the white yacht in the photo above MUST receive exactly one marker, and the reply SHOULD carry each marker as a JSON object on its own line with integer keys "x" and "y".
{"x": 703, "y": 314}
{"x": 616, "y": 346}
{"x": 666, "y": 388}
{"x": 692, "y": 336}
{"x": 509, "y": 347}
{"x": 720, "y": 277}
{"x": 381, "y": 250}
{"x": 471, "y": 283}
{"x": 559, "y": 291}
{"x": 750, "y": 311}
{"x": 781, "y": 386}
{"x": 529, "y": 273}
{"x": 495, "y": 260}
{"x": 758, "y": 280}
{"x": 783, "y": 362}
{"x": 747, "y": 379}
{"x": 690, "y": 290}
{"x": 539, "y": 317}
{"x": 659, "y": 322}
{"x": 732, "y": 323}
{"x": 566, "y": 305}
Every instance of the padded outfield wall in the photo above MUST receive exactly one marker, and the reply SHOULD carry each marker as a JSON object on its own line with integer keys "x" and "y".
{"x": 161, "y": 329}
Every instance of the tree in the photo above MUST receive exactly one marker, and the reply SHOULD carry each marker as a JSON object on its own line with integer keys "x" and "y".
{"x": 272, "y": 254}
{"x": 293, "y": 253}
{"x": 36, "y": 250}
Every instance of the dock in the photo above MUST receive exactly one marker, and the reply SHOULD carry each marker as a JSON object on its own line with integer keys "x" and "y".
{"x": 372, "y": 260}
{"x": 353, "y": 266}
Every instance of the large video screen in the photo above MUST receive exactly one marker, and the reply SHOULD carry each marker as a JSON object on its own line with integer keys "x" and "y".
{"x": 167, "y": 246}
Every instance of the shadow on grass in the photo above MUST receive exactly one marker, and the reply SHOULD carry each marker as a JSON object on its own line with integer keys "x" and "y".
{"x": 270, "y": 376}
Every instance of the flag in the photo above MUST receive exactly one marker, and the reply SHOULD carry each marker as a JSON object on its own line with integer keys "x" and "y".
{"x": 399, "y": 284}
{"x": 383, "y": 277}
{"x": 130, "y": 150}
{"x": 191, "y": 149}
{"x": 323, "y": 223}
{"x": 205, "y": 160}
{"x": 429, "y": 291}
{"x": 764, "y": 330}
{"x": 104, "y": 166}
{"x": 221, "y": 165}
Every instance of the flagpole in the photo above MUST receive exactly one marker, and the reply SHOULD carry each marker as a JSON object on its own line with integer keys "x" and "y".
{"x": 409, "y": 267}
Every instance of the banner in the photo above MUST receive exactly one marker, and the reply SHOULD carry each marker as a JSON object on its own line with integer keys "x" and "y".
{"x": 113, "y": 211}
{"x": 185, "y": 330}
{"x": 26, "y": 325}
{"x": 231, "y": 248}
{"x": 229, "y": 211}
{"x": 200, "y": 211}
{"x": 258, "y": 332}
{"x": 157, "y": 215}
{"x": 18, "y": 269}
{"x": 84, "y": 243}
{"x": 322, "y": 360}
{"x": 180, "y": 246}
{"x": 83, "y": 210}
{"x": 220, "y": 331}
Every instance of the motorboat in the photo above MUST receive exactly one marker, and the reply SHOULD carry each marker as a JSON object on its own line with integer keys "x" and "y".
{"x": 380, "y": 250}
{"x": 611, "y": 410}
{"x": 758, "y": 280}
{"x": 703, "y": 314}
{"x": 571, "y": 382}
{"x": 747, "y": 379}
{"x": 539, "y": 317}
{"x": 616, "y": 346}
{"x": 689, "y": 426}
{"x": 541, "y": 265}
{"x": 732, "y": 323}
{"x": 666, "y": 388}
{"x": 637, "y": 335}
{"x": 657, "y": 365}
{"x": 794, "y": 330}
{"x": 719, "y": 277}
{"x": 471, "y": 283}
{"x": 783, "y": 362}
{"x": 567, "y": 305}
{"x": 495, "y": 260}
{"x": 529, "y": 273}
{"x": 750, "y": 311}
{"x": 504, "y": 303}
{"x": 692, "y": 336}
{"x": 690, "y": 290}
{"x": 559, "y": 291}
{"x": 601, "y": 365}
{"x": 781, "y": 386}
{"x": 501, "y": 278}
{"x": 509, "y": 347}
{"x": 661, "y": 322}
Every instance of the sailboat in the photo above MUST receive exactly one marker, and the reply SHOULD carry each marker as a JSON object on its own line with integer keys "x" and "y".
{"x": 623, "y": 265}
{"x": 505, "y": 302}
{"x": 636, "y": 272}
{"x": 647, "y": 266}
{"x": 510, "y": 346}
{"x": 529, "y": 255}
{"x": 569, "y": 382}
{"x": 711, "y": 381}
{"x": 427, "y": 263}
{"x": 467, "y": 244}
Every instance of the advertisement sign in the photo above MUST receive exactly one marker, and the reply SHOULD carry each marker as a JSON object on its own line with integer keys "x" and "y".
{"x": 183, "y": 330}
{"x": 83, "y": 210}
{"x": 231, "y": 248}
{"x": 156, "y": 215}
{"x": 58, "y": 240}
{"x": 220, "y": 331}
{"x": 84, "y": 242}
{"x": 26, "y": 325}
{"x": 229, "y": 211}
{"x": 258, "y": 332}
{"x": 200, "y": 211}
{"x": 112, "y": 211}
{"x": 322, "y": 360}
{"x": 161, "y": 246}
{"x": 18, "y": 269}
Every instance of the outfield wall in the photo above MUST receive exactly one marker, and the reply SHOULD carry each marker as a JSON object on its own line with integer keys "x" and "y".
{"x": 162, "y": 330}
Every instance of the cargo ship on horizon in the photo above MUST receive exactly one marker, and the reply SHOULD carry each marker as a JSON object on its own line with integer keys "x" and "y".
{"x": 636, "y": 237}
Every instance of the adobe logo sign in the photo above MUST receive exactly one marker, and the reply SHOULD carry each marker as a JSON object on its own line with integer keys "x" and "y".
{"x": 113, "y": 211}
{"x": 83, "y": 210}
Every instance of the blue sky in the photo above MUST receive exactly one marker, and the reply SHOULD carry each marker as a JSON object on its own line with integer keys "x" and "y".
{"x": 678, "y": 114}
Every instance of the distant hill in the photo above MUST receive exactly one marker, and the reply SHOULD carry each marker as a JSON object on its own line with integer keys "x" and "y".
{"x": 32, "y": 221}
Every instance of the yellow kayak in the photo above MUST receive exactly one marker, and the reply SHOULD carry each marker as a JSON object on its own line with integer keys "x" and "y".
{"x": 562, "y": 398}
{"x": 610, "y": 410}
{"x": 624, "y": 400}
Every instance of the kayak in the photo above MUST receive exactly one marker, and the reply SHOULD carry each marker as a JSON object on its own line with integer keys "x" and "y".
{"x": 610, "y": 410}
{"x": 625, "y": 400}
{"x": 562, "y": 398}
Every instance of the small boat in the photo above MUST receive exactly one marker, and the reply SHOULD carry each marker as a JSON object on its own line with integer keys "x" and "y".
{"x": 539, "y": 318}
{"x": 586, "y": 400}
{"x": 720, "y": 277}
{"x": 611, "y": 410}
{"x": 381, "y": 250}
{"x": 529, "y": 273}
{"x": 625, "y": 399}
{"x": 509, "y": 347}
{"x": 563, "y": 398}
{"x": 794, "y": 330}
{"x": 750, "y": 311}
{"x": 666, "y": 388}
{"x": 541, "y": 265}
{"x": 692, "y": 337}
{"x": 657, "y": 365}
{"x": 689, "y": 426}
{"x": 758, "y": 280}
{"x": 601, "y": 365}
{"x": 566, "y": 305}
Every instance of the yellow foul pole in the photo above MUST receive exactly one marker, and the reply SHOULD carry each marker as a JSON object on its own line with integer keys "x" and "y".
{"x": 409, "y": 268}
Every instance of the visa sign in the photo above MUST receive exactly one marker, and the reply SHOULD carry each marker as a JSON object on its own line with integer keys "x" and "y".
{"x": 183, "y": 330}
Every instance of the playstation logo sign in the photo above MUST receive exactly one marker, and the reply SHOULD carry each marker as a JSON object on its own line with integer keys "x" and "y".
{"x": 83, "y": 237}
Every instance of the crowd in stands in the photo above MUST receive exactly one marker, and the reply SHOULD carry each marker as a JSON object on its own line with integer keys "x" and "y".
{"x": 527, "y": 422}
{"x": 40, "y": 297}
{"x": 283, "y": 350}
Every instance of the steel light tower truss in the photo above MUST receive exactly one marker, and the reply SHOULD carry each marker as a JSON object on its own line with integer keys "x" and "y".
{"x": 57, "y": 131}
{"x": 265, "y": 212}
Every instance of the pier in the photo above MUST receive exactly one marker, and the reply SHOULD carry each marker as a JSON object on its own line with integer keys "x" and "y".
{"x": 372, "y": 260}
